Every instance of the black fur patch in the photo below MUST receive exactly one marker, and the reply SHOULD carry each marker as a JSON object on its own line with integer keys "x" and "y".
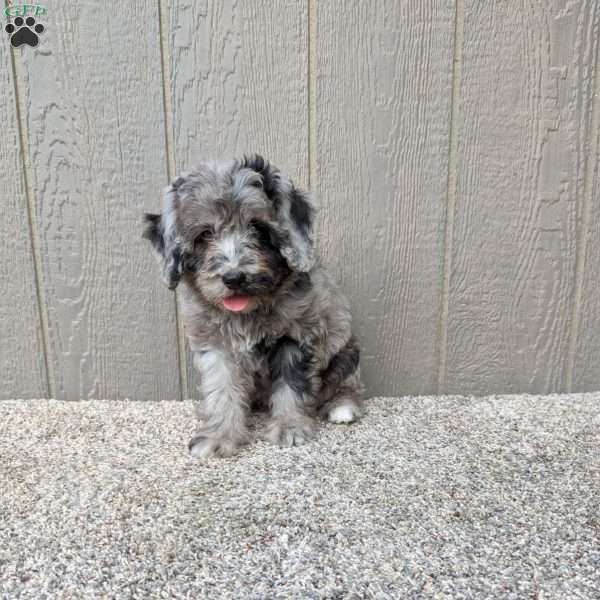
{"x": 289, "y": 362}
{"x": 192, "y": 262}
{"x": 264, "y": 346}
{"x": 177, "y": 182}
{"x": 270, "y": 243}
{"x": 265, "y": 234}
{"x": 153, "y": 232}
{"x": 303, "y": 283}
{"x": 255, "y": 162}
{"x": 301, "y": 212}
{"x": 181, "y": 262}
{"x": 340, "y": 367}
{"x": 176, "y": 268}
{"x": 270, "y": 176}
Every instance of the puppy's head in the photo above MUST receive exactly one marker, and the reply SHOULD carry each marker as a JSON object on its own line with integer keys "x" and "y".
{"x": 234, "y": 230}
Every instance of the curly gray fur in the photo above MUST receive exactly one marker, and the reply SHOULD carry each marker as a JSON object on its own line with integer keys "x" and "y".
{"x": 240, "y": 231}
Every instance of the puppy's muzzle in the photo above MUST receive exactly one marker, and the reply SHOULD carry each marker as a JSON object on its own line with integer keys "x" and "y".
{"x": 234, "y": 280}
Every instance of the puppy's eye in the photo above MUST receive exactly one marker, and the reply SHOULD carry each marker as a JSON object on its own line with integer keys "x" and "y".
{"x": 257, "y": 183}
{"x": 204, "y": 236}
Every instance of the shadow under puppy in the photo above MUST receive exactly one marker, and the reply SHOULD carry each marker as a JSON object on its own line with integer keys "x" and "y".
{"x": 265, "y": 322}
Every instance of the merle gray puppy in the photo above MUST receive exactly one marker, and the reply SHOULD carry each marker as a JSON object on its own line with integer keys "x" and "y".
{"x": 265, "y": 322}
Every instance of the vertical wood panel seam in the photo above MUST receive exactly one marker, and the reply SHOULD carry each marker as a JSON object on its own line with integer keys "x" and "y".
{"x": 312, "y": 94}
{"x": 170, "y": 156}
{"x": 583, "y": 229}
{"x": 450, "y": 189}
{"x": 31, "y": 220}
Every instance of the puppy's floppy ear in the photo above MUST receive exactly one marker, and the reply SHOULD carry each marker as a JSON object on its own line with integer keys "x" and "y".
{"x": 295, "y": 214}
{"x": 152, "y": 231}
{"x": 161, "y": 230}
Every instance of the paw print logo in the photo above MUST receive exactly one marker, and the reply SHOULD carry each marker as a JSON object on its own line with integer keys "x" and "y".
{"x": 24, "y": 31}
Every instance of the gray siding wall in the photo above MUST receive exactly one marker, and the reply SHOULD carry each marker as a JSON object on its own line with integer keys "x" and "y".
{"x": 453, "y": 145}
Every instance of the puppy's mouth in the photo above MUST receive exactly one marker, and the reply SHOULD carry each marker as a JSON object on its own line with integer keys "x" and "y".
{"x": 248, "y": 296}
{"x": 237, "y": 303}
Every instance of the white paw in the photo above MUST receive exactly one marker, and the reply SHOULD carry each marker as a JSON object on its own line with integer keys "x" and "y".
{"x": 205, "y": 447}
{"x": 289, "y": 434}
{"x": 343, "y": 413}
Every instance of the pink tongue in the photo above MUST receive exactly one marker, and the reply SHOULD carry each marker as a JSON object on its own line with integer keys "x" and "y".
{"x": 236, "y": 303}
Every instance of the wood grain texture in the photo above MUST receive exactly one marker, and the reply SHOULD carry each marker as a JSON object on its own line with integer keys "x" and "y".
{"x": 239, "y": 85}
{"x": 586, "y": 325}
{"x": 517, "y": 255}
{"x": 94, "y": 117}
{"x": 523, "y": 136}
{"x": 384, "y": 77}
{"x": 22, "y": 366}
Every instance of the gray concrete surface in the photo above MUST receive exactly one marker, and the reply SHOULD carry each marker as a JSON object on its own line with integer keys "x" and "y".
{"x": 443, "y": 497}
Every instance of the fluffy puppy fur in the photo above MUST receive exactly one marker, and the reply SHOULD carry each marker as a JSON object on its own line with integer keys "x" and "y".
{"x": 265, "y": 322}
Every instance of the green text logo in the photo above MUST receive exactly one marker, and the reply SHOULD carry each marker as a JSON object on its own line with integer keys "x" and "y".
{"x": 22, "y": 10}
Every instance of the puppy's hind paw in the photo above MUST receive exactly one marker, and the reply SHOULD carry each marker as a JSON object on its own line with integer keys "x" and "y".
{"x": 344, "y": 413}
{"x": 204, "y": 447}
{"x": 289, "y": 434}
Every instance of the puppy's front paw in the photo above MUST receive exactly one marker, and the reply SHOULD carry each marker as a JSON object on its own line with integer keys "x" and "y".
{"x": 285, "y": 434}
{"x": 204, "y": 447}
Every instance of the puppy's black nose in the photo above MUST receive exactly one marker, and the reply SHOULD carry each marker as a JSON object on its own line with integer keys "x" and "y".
{"x": 233, "y": 279}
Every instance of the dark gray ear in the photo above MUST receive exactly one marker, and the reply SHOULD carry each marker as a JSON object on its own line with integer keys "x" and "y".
{"x": 295, "y": 214}
{"x": 152, "y": 231}
{"x": 162, "y": 233}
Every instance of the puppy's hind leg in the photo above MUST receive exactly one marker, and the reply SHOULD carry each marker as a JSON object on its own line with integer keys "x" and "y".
{"x": 341, "y": 389}
{"x": 223, "y": 406}
{"x": 346, "y": 405}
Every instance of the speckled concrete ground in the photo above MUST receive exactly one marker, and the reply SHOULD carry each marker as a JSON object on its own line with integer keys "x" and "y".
{"x": 425, "y": 498}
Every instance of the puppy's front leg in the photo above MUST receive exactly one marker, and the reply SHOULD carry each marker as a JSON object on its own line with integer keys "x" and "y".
{"x": 291, "y": 423}
{"x": 223, "y": 407}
